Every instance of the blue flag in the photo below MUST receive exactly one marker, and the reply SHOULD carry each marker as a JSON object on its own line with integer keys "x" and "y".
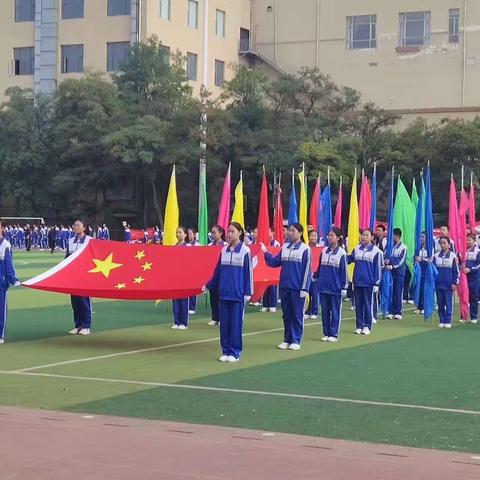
{"x": 373, "y": 214}
{"x": 387, "y": 280}
{"x": 417, "y": 271}
{"x": 293, "y": 207}
{"x": 326, "y": 212}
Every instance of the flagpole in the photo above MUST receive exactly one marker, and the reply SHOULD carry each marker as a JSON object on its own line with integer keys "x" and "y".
{"x": 463, "y": 175}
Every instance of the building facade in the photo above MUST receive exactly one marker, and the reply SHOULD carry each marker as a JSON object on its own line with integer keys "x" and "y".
{"x": 416, "y": 57}
{"x": 47, "y": 41}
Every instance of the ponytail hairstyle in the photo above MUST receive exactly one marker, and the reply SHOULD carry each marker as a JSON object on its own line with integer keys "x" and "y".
{"x": 299, "y": 228}
{"x": 338, "y": 234}
{"x": 221, "y": 230}
{"x": 240, "y": 229}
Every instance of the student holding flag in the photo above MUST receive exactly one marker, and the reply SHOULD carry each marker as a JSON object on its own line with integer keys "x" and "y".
{"x": 446, "y": 282}
{"x": 422, "y": 261}
{"x": 270, "y": 297}
{"x": 295, "y": 278}
{"x": 218, "y": 239}
{"x": 312, "y": 310}
{"x": 180, "y": 305}
{"x": 397, "y": 264}
{"x": 233, "y": 278}
{"x": 472, "y": 270}
{"x": 332, "y": 283}
{"x": 368, "y": 261}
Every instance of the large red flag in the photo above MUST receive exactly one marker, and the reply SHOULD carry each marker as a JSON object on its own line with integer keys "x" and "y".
{"x": 263, "y": 224}
{"x": 337, "y": 222}
{"x": 278, "y": 217}
{"x": 313, "y": 213}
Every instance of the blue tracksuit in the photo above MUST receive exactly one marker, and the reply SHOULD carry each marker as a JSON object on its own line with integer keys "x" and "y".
{"x": 233, "y": 278}
{"x": 180, "y": 306}
{"x": 423, "y": 273}
{"x": 473, "y": 263}
{"x": 127, "y": 235}
{"x": 270, "y": 296}
{"x": 82, "y": 306}
{"x": 331, "y": 278}
{"x": 296, "y": 261}
{"x": 398, "y": 262}
{"x": 448, "y": 275}
{"x": 7, "y": 278}
{"x": 368, "y": 261}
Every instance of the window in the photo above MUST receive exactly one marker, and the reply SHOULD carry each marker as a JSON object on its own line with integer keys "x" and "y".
{"x": 362, "y": 31}
{"x": 72, "y": 9}
{"x": 192, "y": 13}
{"x": 23, "y": 58}
{"x": 165, "y": 52}
{"x": 72, "y": 58}
{"x": 117, "y": 55}
{"x": 220, "y": 24}
{"x": 165, "y": 9}
{"x": 244, "y": 40}
{"x": 454, "y": 25}
{"x": 24, "y": 10}
{"x": 415, "y": 29}
{"x": 192, "y": 66}
{"x": 219, "y": 73}
{"x": 118, "y": 7}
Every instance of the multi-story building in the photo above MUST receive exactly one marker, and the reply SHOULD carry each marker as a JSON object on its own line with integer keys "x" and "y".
{"x": 416, "y": 57}
{"x": 46, "y": 41}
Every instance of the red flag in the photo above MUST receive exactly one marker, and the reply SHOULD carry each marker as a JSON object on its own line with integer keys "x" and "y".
{"x": 313, "y": 214}
{"x": 263, "y": 224}
{"x": 224, "y": 209}
{"x": 463, "y": 293}
{"x": 338, "y": 211}
{"x": 471, "y": 208}
{"x": 278, "y": 217}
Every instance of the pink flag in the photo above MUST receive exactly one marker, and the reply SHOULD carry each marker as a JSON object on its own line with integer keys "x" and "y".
{"x": 263, "y": 224}
{"x": 337, "y": 222}
{"x": 471, "y": 208}
{"x": 313, "y": 214}
{"x": 224, "y": 209}
{"x": 278, "y": 217}
{"x": 365, "y": 203}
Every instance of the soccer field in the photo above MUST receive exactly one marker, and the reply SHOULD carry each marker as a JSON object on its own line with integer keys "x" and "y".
{"x": 409, "y": 383}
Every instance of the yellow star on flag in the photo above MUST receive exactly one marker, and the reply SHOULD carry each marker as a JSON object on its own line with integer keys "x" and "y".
{"x": 146, "y": 266}
{"x": 120, "y": 286}
{"x": 140, "y": 254}
{"x": 138, "y": 280}
{"x": 105, "y": 266}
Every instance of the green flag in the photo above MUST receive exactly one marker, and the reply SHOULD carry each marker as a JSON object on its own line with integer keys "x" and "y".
{"x": 404, "y": 215}
{"x": 203, "y": 207}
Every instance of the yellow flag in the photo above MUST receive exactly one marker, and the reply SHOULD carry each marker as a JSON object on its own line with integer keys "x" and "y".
{"x": 172, "y": 215}
{"x": 353, "y": 223}
{"x": 302, "y": 218}
{"x": 238, "y": 209}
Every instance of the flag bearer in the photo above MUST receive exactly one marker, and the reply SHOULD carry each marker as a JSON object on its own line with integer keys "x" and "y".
{"x": 105, "y": 232}
{"x": 218, "y": 239}
{"x": 397, "y": 264}
{"x": 332, "y": 283}
{"x": 233, "y": 278}
{"x": 180, "y": 305}
{"x": 270, "y": 297}
{"x": 422, "y": 260}
{"x": 312, "y": 310}
{"x": 446, "y": 282}
{"x": 472, "y": 270}
{"x": 7, "y": 278}
{"x": 295, "y": 278}
{"x": 82, "y": 306}
{"x": 368, "y": 261}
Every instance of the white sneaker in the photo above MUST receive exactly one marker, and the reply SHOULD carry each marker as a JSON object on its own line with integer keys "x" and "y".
{"x": 352, "y": 308}
{"x": 223, "y": 358}
{"x": 74, "y": 331}
{"x": 390, "y": 316}
{"x": 272, "y": 310}
{"x": 232, "y": 359}
{"x": 174, "y": 326}
{"x": 422, "y": 312}
{"x": 84, "y": 331}
{"x": 447, "y": 325}
{"x": 397, "y": 317}
{"x": 2, "y": 341}
{"x": 313, "y": 317}
{"x": 282, "y": 346}
{"x": 416, "y": 312}
{"x": 264, "y": 309}
{"x": 332, "y": 339}
{"x": 366, "y": 331}
{"x": 411, "y": 302}
{"x": 182, "y": 327}
{"x": 374, "y": 321}
{"x": 192, "y": 312}
{"x": 473, "y": 320}
{"x": 441, "y": 325}
{"x": 404, "y": 301}
{"x": 358, "y": 331}
{"x": 294, "y": 346}
{"x": 306, "y": 317}
{"x": 257, "y": 304}
{"x": 212, "y": 323}
{"x": 324, "y": 339}
{"x": 462, "y": 320}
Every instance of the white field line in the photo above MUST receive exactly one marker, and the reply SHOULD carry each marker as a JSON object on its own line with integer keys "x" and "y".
{"x": 153, "y": 349}
{"x": 249, "y": 392}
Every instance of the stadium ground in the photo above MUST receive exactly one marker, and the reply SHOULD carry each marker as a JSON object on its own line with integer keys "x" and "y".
{"x": 408, "y": 384}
